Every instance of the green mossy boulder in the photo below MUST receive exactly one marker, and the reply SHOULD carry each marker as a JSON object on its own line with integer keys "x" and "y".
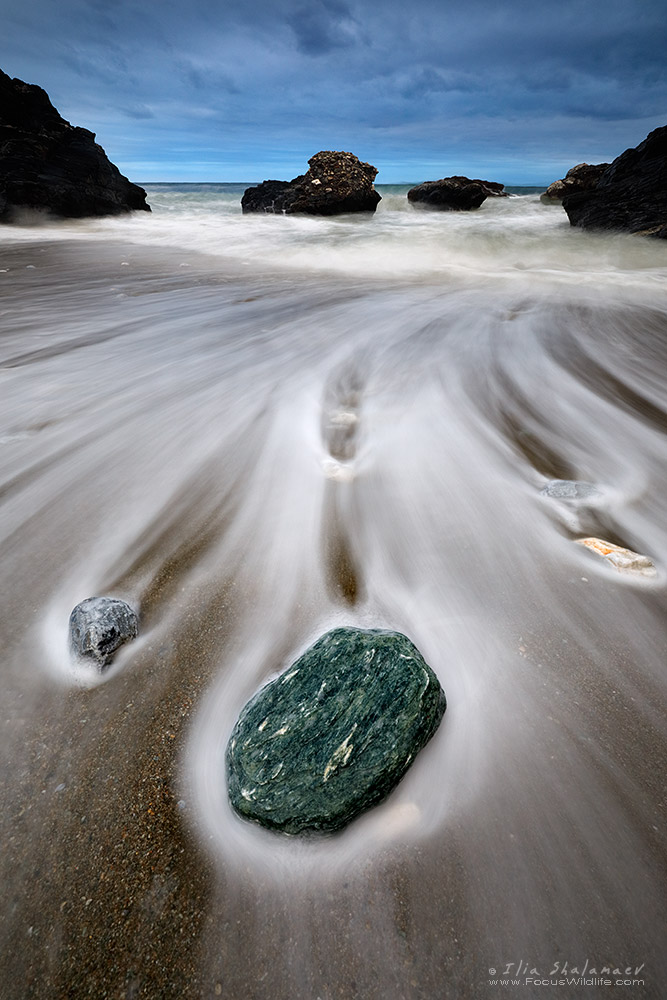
{"x": 334, "y": 733}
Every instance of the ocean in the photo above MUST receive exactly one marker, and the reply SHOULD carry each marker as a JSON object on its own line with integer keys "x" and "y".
{"x": 256, "y": 428}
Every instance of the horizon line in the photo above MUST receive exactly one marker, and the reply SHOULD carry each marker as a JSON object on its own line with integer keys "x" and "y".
{"x": 380, "y": 184}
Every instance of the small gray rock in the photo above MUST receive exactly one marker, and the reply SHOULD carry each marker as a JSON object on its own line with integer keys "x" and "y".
{"x": 570, "y": 489}
{"x": 99, "y": 626}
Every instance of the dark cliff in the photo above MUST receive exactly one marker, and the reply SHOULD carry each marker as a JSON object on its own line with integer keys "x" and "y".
{"x": 48, "y": 164}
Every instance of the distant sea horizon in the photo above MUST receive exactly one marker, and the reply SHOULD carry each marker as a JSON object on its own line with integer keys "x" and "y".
{"x": 513, "y": 188}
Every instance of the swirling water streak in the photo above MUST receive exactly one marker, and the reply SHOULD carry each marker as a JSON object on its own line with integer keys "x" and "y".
{"x": 255, "y": 429}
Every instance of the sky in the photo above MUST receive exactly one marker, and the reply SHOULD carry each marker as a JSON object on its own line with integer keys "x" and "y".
{"x": 245, "y": 90}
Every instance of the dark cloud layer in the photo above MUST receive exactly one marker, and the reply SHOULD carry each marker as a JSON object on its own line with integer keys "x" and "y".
{"x": 244, "y": 90}
{"x": 321, "y": 26}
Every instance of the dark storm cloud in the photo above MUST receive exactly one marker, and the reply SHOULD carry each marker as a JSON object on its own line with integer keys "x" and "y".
{"x": 254, "y": 83}
{"x": 321, "y": 26}
{"x": 207, "y": 80}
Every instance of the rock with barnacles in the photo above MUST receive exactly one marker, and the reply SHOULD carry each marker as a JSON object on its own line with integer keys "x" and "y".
{"x": 333, "y": 734}
{"x": 335, "y": 183}
{"x": 99, "y": 626}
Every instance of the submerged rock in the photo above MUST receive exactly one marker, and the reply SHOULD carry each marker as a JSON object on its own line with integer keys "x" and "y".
{"x": 334, "y": 733}
{"x": 455, "y": 193}
{"x": 631, "y": 194}
{"x": 48, "y": 164}
{"x": 99, "y": 626}
{"x": 570, "y": 489}
{"x": 336, "y": 182}
{"x": 575, "y": 502}
{"x": 582, "y": 177}
{"x": 624, "y": 560}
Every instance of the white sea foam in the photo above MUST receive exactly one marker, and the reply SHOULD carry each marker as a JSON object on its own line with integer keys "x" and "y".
{"x": 516, "y": 240}
{"x": 332, "y": 421}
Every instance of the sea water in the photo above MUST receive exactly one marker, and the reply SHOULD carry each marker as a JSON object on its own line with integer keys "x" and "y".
{"x": 255, "y": 428}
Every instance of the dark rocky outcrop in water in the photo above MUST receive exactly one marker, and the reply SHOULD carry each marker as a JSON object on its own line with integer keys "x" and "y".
{"x": 492, "y": 188}
{"x": 99, "y": 626}
{"x": 334, "y": 733}
{"x": 336, "y": 182}
{"x": 631, "y": 194}
{"x": 458, "y": 194}
{"x": 583, "y": 177}
{"x": 48, "y": 164}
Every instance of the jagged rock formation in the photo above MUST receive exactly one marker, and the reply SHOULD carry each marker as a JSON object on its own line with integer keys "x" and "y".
{"x": 336, "y": 182}
{"x": 48, "y": 164}
{"x": 457, "y": 193}
{"x": 631, "y": 194}
{"x": 583, "y": 177}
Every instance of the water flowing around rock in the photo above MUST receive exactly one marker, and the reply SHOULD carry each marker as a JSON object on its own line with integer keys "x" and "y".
{"x": 258, "y": 429}
{"x": 99, "y": 626}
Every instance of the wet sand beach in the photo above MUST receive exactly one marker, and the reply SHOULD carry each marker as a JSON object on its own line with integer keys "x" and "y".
{"x": 170, "y": 433}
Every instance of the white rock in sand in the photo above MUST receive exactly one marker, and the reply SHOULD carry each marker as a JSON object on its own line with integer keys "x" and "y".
{"x": 624, "y": 560}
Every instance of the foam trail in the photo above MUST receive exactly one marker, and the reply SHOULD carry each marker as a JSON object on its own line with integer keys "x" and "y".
{"x": 251, "y": 457}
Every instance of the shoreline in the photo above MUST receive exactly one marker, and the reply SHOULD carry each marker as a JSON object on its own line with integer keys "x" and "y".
{"x": 513, "y": 243}
{"x": 167, "y": 438}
